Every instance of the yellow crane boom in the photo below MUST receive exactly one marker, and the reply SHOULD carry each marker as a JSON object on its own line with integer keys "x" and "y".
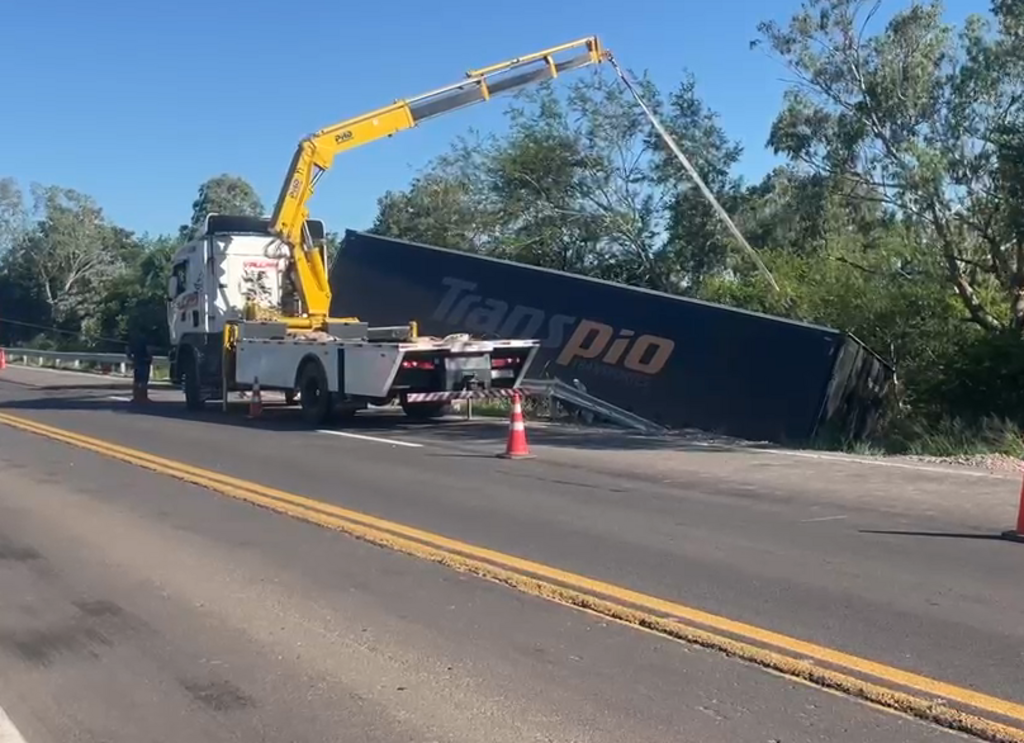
{"x": 316, "y": 153}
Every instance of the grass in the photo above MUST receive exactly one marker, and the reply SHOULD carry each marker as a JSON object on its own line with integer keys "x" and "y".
{"x": 491, "y": 408}
{"x": 948, "y": 437}
{"x": 944, "y": 436}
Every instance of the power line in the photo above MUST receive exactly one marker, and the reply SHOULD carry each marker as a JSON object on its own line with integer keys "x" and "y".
{"x": 50, "y": 328}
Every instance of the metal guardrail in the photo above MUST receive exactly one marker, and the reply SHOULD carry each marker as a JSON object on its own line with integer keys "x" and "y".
{"x": 577, "y": 398}
{"x": 108, "y": 363}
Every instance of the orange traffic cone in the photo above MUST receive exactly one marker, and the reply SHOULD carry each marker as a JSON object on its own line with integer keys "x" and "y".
{"x": 516, "y": 448}
{"x": 256, "y": 401}
{"x": 1017, "y": 535}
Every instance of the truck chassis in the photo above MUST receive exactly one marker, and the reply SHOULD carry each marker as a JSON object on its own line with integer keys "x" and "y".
{"x": 351, "y": 367}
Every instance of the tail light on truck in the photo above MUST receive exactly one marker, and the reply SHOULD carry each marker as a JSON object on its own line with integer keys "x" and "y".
{"x": 505, "y": 366}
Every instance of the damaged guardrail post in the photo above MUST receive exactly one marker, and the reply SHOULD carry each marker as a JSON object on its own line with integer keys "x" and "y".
{"x": 556, "y": 389}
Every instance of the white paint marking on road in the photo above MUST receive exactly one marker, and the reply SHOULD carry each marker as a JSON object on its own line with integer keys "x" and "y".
{"x": 379, "y": 440}
{"x": 67, "y": 372}
{"x": 821, "y": 518}
{"x": 119, "y": 398}
{"x": 856, "y": 460}
{"x": 89, "y": 375}
{"x": 8, "y": 733}
{"x": 882, "y": 463}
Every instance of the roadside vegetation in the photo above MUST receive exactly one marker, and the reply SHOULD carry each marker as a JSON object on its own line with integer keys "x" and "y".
{"x": 897, "y": 215}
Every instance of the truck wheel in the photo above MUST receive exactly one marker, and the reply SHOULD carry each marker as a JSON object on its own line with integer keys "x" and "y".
{"x": 194, "y": 399}
{"x": 426, "y": 410}
{"x": 314, "y": 394}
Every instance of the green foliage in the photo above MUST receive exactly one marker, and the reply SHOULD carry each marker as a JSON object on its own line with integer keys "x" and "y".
{"x": 223, "y": 194}
{"x": 434, "y": 210}
{"x": 983, "y": 379}
{"x": 579, "y": 183}
{"x": 135, "y": 301}
{"x": 71, "y": 279}
{"x": 12, "y": 214}
{"x": 908, "y": 118}
{"x": 948, "y": 437}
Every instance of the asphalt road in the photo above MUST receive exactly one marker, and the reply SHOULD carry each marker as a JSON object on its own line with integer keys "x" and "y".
{"x": 149, "y": 609}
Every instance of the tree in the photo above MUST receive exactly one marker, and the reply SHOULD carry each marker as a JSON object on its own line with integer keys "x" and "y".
{"x": 437, "y": 209}
{"x": 70, "y": 250}
{"x": 136, "y": 300}
{"x": 908, "y": 118}
{"x": 13, "y": 217}
{"x": 698, "y": 245}
{"x": 224, "y": 194}
{"x": 582, "y": 183}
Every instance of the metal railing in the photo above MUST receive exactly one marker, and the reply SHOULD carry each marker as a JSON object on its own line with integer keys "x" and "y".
{"x": 595, "y": 406}
{"x": 104, "y": 363}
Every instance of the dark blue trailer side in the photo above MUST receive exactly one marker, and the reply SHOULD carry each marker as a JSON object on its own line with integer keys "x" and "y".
{"x": 679, "y": 362}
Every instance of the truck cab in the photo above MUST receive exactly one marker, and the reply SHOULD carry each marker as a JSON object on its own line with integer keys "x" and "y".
{"x": 232, "y": 267}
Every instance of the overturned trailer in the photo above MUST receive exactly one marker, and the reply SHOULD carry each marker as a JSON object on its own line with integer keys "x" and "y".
{"x": 679, "y": 362}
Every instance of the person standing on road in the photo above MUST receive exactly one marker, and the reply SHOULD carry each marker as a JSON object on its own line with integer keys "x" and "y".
{"x": 142, "y": 363}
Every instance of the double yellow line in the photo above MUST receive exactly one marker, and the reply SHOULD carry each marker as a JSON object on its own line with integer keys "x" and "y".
{"x": 943, "y": 703}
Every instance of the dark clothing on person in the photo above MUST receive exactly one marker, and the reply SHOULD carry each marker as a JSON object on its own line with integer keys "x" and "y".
{"x": 141, "y": 371}
{"x": 138, "y": 350}
{"x": 142, "y": 362}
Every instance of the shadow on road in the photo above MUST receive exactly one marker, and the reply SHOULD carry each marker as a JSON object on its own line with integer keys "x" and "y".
{"x": 97, "y": 386}
{"x": 940, "y": 534}
{"x": 280, "y": 417}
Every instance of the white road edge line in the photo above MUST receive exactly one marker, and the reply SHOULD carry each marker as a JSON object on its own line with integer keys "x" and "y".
{"x": 8, "y": 733}
{"x": 951, "y": 470}
{"x": 379, "y": 440}
{"x": 881, "y": 463}
{"x": 69, "y": 372}
{"x": 119, "y": 398}
{"x": 99, "y": 377}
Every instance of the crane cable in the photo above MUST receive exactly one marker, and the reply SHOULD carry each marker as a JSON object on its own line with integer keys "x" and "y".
{"x": 693, "y": 173}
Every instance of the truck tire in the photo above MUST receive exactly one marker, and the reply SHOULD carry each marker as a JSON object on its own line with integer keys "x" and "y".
{"x": 315, "y": 394}
{"x": 426, "y": 410}
{"x": 194, "y": 399}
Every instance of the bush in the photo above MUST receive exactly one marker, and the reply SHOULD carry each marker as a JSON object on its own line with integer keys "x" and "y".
{"x": 983, "y": 380}
{"x": 948, "y": 436}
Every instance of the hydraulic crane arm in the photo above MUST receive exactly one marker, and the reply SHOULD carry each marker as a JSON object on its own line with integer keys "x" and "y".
{"x": 316, "y": 153}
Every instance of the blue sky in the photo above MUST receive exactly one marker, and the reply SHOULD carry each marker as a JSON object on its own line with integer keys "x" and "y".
{"x": 137, "y": 105}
